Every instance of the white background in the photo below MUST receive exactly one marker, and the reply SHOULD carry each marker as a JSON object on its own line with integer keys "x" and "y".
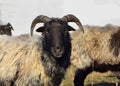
{"x": 20, "y": 13}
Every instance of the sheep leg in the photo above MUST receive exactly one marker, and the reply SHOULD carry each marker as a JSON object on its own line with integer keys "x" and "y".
{"x": 80, "y": 76}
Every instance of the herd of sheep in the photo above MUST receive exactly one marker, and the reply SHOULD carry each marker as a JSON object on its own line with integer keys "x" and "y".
{"x": 43, "y": 60}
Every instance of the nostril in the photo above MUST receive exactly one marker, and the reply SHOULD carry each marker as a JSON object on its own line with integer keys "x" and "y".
{"x": 57, "y": 47}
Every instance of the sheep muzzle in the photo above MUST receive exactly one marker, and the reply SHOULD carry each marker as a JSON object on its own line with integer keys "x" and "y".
{"x": 57, "y": 51}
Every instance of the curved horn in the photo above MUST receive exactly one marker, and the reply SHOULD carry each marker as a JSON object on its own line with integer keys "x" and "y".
{"x": 72, "y": 18}
{"x": 10, "y": 26}
{"x": 38, "y": 19}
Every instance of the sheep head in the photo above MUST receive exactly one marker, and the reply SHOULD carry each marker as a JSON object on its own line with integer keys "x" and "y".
{"x": 6, "y": 29}
{"x": 55, "y": 33}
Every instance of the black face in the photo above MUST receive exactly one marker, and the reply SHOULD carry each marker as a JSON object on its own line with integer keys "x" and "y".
{"x": 56, "y": 35}
{"x": 5, "y": 30}
{"x": 8, "y": 32}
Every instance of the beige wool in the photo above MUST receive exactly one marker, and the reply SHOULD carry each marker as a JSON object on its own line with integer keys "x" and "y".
{"x": 93, "y": 45}
{"x": 21, "y": 56}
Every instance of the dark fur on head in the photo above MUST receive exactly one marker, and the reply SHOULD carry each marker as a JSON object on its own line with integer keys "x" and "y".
{"x": 115, "y": 43}
{"x": 56, "y": 38}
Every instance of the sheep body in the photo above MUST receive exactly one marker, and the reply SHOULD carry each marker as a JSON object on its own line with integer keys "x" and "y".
{"x": 20, "y": 62}
{"x": 95, "y": 45}
{"x": 95, "y": 50}
{"x": 24, "y": 63}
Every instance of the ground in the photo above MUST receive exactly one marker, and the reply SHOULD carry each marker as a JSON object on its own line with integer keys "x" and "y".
{"x": 93, "y": 79}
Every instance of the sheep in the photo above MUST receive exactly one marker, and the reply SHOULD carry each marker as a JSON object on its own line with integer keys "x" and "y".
{"x": 6, "y": 29}
{"x": 39, "y": 60}
{"x": 95, "y": 50}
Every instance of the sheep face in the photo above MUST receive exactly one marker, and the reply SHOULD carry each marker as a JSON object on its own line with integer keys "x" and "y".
{"x": 6, "y": 29}
{"x": 55, "y": 37}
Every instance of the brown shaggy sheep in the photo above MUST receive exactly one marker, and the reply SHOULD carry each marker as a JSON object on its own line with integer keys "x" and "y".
{"x": 95, "y": 50}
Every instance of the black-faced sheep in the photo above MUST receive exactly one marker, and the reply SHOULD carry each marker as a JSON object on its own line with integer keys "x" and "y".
{"x": 39, "y": 61}
{"x": 95, "y": 50}
{"x": 6, "y": 29}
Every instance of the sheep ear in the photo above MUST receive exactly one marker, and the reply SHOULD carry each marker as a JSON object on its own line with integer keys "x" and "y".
{"x": 40, "y": 29}
{"x": 70, "y": 28}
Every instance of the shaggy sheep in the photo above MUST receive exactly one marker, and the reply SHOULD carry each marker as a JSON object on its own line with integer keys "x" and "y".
{"x": 95, "y": 50}
{"x": 41, "y": 60}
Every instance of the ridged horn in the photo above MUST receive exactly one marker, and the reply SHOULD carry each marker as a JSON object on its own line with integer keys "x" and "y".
{"x": 72, "y": 18}
{"x": 10, "y": 26}
{"x": 39, "y": 19}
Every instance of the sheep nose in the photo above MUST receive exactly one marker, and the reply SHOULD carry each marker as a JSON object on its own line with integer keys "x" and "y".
{"x": 57, "y": 49}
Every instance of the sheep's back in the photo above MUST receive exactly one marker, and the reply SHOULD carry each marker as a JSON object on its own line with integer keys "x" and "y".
{"x": 93, "y": 45}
